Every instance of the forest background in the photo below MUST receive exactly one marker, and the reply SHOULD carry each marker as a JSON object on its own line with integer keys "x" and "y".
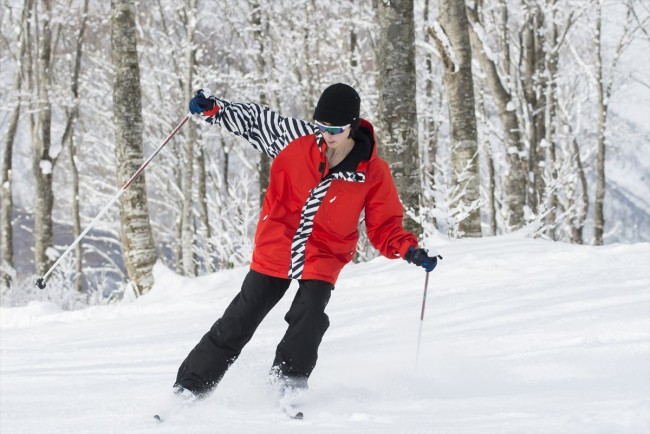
{"x": 495, "y": 116}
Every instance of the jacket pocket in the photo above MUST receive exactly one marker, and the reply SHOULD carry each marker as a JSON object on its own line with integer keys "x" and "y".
{"x": 341, "y": 211}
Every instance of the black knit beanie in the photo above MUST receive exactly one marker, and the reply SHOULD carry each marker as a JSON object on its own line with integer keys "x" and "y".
{"x": 338, "y": 105}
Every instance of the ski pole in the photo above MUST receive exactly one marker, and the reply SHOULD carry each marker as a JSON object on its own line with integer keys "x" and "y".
{"x": 40, "y": 282}
{"x": 424, "y": 300}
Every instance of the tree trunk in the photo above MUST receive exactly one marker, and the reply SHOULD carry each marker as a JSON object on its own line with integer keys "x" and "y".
{"x": 431, "y": 127}
{"x": 188, "y": 264}
{"x": 260, "y": 63}
{"x": 462, "y": 114}
{"x": 187, "y": 215}
{"x": 397, "y": 102}
{"x": 604, "y": 86}
{"x": 354, "y": 46}
{"x": 202, "y": 180}
{"x": 599, "y": 218}
{"x": 579, "y": 223}
{"x": 486, "y": 150}
{"x": 137, "y": 239}
{"x": 553, "y": 59}
{"x": 491, "y": 201}
{"x": 43, "y": 162}
{"x": 6, "y": 208}
{"x": 178, "y": 222}
{"x": 533, "y": 65}
{"x": 515, "y": 176}
{"x": 68, "y": 140}
{"x": 504, "y": 36}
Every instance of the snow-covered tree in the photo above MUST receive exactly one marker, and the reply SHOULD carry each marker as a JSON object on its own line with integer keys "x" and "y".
{"x": 137, "y": 239}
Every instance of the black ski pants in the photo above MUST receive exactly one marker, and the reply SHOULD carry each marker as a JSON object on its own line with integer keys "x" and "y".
{"x": 297, "y": 352}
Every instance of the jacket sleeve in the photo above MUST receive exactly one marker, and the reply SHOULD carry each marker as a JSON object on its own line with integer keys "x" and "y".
{"x": 266, "y": 130}
{"x": 383, "y": 215}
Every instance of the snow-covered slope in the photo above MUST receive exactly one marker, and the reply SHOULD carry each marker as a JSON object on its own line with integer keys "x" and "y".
{"x": 519, "y": 336}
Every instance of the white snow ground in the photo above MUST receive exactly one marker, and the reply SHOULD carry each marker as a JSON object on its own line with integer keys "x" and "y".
{"x": 519, "y": 336}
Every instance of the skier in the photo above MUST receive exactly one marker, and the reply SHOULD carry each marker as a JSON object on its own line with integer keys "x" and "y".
{"x": 324, "y": 175}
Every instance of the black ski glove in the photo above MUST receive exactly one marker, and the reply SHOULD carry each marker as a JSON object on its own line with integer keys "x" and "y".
{"x": 202, "y": 103}
{"x": 421, "y": 258}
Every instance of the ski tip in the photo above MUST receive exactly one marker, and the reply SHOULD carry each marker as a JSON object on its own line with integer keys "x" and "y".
{"x": 297, "y": 415}
{"x": 157, "y": 418}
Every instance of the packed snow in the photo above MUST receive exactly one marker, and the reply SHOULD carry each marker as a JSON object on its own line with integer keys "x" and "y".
{"x": 519, "y": 336}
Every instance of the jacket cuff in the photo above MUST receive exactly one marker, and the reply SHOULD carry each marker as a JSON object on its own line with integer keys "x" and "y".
{"x": 404, "y": 248}
{"x": 212, "y": 112}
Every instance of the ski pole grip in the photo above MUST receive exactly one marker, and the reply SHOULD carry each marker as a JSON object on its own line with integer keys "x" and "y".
{"x": 40, "y": 282}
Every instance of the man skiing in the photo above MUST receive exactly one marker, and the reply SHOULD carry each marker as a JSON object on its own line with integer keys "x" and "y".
{"x": 324, "y": 174}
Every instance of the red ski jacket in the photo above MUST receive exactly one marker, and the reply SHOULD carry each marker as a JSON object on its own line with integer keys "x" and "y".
{"x": 307, "y": 228}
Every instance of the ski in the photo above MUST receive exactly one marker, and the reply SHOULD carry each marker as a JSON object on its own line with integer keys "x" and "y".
{"x": 162, "y": 416}
{"x": 292, "y": 412}
{"x": 296, "y": 416}
{"x": 290, "y": 396}
{"x": 174, "y": 409}
{"x": 181, "y": 398}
